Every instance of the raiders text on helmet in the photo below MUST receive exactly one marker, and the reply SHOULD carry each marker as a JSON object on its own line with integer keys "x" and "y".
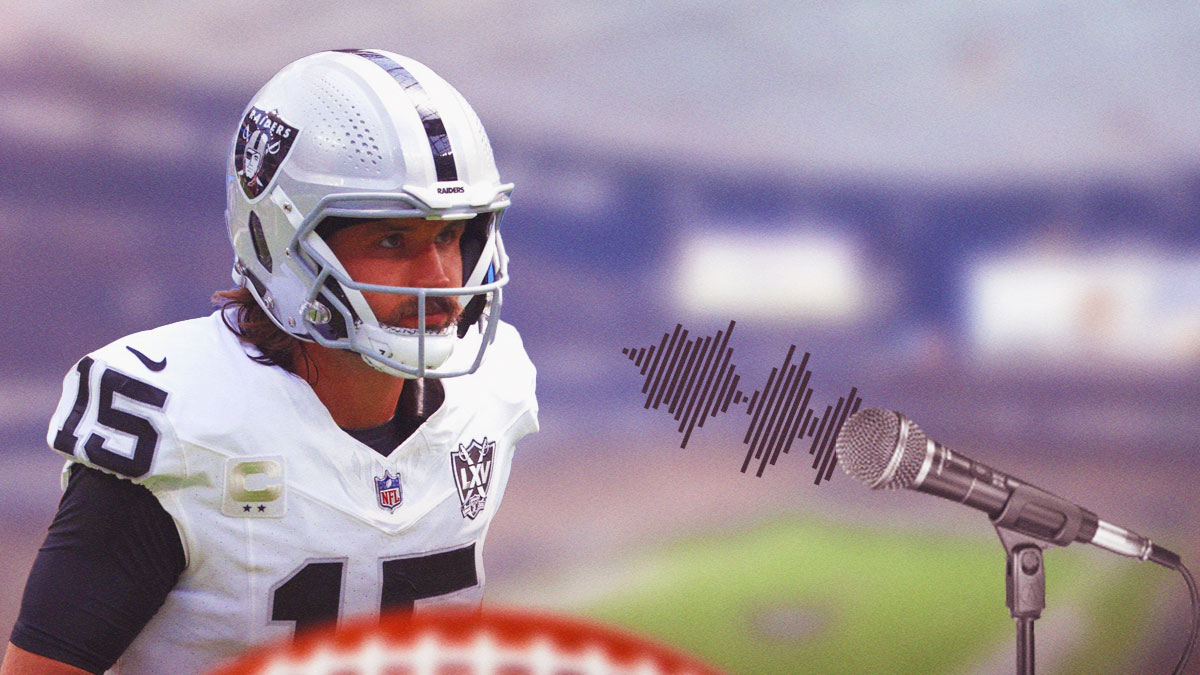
{"x": 363, "y": 134}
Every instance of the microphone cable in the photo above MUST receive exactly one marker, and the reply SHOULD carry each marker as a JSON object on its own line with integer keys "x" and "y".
{"x": 1195, "y": 594}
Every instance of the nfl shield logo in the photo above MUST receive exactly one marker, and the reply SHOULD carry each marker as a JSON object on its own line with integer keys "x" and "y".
{"x": 472, "y": 465}
{"x": 387, "y": 489}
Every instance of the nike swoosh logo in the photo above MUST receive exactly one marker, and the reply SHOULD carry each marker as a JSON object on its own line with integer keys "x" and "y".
{"x": 152, "y": 365}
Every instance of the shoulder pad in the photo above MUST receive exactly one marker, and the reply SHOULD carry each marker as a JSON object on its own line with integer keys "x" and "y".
{"x": 510, "y": 377}
{"x": 112, "y": 420}
{"x": 114, "y": 410}
{"x": 506, "y": 368}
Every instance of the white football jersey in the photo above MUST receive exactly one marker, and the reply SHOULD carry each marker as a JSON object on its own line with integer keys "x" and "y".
{"x": 283, "y": 516}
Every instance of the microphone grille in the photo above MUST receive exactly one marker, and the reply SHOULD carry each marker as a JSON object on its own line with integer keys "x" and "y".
{"x": 869, "y": 448}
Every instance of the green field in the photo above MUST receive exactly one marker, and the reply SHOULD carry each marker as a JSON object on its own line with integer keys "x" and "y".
{"x": 805, "y": 596}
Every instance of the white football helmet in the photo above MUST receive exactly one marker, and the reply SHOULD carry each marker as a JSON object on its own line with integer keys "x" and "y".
{"x": 363, "y": 134}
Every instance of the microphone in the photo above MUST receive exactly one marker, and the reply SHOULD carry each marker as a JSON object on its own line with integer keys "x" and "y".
{"x": 885, "y": 449}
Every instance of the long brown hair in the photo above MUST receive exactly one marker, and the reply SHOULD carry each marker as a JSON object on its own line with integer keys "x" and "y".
{"x": 254, "y": 327}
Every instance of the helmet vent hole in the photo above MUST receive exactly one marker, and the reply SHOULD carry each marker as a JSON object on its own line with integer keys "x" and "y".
{"x": 341, "y": 130}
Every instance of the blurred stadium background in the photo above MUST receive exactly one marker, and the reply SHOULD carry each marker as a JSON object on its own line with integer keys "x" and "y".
{"x": 986, "y": 215}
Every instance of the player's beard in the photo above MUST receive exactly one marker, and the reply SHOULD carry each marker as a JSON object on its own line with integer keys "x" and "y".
{"x": 445, "y": 305}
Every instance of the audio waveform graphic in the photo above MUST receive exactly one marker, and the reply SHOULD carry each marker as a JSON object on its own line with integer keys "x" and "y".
{"x": 696, "y": 379}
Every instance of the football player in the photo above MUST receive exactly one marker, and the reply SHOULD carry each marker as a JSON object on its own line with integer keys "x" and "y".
{"x": 337, "y": 437}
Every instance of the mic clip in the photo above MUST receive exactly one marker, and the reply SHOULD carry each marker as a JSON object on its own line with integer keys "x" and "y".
{"x": 1024, "y": 589}
{"x": 1025, "y": 573}
{"x": 1037, "y": 513}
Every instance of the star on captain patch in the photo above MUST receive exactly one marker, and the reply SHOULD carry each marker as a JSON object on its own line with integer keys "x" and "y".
{"x": 472, "y": 466}
{"x": 387, "y": 490}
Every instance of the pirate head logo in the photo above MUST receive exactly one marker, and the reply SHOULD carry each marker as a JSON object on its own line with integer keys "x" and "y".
{"x": 472, "y": 465}
{"x": 263, "y": 141}
{"x": 387, "y": 491}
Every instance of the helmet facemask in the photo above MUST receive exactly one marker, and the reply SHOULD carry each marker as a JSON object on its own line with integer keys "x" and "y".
{"x": 337, "y": 313}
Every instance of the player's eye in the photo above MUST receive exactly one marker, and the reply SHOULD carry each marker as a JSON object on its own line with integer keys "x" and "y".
{"x": 450, "y": 234}
{"x": 394, "y": 240}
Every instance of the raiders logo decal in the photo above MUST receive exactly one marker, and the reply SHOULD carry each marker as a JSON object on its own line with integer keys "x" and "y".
{"x": 263, "y": 141}
{"x": 472, "y": 465}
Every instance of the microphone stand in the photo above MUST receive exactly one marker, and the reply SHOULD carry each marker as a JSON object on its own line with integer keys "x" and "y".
{"x": 1024, "y": 590}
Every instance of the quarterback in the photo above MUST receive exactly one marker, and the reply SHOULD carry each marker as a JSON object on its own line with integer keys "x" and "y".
{"x": 335, "y": 439}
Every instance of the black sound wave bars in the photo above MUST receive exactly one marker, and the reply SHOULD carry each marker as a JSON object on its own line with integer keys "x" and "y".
{"x": 696, "y": 379}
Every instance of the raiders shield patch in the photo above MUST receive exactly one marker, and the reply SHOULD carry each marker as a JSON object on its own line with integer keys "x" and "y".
{"x": 387, "y": 491}
{"x": 472, "y": 465}
{"x": 263, "y": 141}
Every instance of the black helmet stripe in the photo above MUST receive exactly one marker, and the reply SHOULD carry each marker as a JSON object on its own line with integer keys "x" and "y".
{"x": 435, "y": 129}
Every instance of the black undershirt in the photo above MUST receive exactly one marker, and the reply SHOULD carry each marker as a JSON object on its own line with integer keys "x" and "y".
{"x": 112, "y": 554}
{"x": 417, "y": 402}
{"x": 110, "y": 557}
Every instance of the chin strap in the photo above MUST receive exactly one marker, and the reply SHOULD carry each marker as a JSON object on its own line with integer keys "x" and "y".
{"x": 471, "y": 315}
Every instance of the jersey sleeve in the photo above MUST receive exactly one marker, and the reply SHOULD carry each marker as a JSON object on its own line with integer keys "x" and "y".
{"x": 113, "y": 416}
{"x": 111, "y": 556}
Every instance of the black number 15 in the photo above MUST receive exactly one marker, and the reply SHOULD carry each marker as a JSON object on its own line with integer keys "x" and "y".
{"x": 312, "y": 594}
{"x": 113, "y": 382}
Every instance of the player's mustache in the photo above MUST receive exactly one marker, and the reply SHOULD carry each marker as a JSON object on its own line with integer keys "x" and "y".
{"x": 433, "y": 305}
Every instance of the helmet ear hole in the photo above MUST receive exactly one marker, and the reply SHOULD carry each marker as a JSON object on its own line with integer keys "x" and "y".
{"x": 259, "y": 241}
